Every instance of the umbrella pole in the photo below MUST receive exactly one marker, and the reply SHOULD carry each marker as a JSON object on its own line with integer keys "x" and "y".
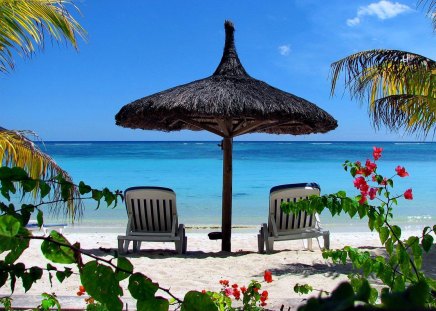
{"x": 227, "y": 195}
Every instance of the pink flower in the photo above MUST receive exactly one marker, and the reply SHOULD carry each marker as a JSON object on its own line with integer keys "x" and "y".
{"x": 408, "y": 195}
{"x": 372, "y": 193}
{"x": 401, "y": 171}
{"x": 362, "y": 199}
{"x": 359, "y": 182}
{"x": 376, "y": 153}
{"x": 267, "y": 276}
{"x": 236, "y": 294}
{"x": 228, "y": 291}
{"x": 370, "y": 167}
{"x": 243, "y": 289}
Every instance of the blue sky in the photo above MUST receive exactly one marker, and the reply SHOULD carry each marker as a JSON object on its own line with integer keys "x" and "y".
{"x": 136, "y": 48}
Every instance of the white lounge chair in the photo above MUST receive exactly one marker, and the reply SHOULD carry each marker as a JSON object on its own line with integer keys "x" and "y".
{"x": 32, "y": 225}
{"x": 282, "y": 226}
{"x": 152, "y": 217}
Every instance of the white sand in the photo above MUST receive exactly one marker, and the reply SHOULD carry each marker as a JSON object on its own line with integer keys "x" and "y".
{"x": 204, "y": 265}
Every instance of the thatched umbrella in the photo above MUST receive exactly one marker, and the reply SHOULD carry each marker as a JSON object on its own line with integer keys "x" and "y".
{"x": 229, "y": 103}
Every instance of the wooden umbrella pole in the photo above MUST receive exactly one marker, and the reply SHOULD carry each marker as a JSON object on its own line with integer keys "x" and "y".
{"x": 227, "y": 195}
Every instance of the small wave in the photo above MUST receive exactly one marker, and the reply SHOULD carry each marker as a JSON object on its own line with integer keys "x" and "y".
{"x": 72, "y": 144}
{"x": 321, "y": 143}
{"x": 419, "y": 218}
{"x": 285, "y": 143}
{"x": 199, "y": 143}
{"x": 410, "y": 143}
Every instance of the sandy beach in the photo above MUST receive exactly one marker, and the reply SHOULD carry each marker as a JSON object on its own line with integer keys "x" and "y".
{"x": 204, "y": 265}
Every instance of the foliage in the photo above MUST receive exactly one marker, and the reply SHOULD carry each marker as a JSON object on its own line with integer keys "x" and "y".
{"x": 252, "y": 299}
{"x": 399, "y": 86}
{"x": 49, "y": 302}
{"x": 400, "y": 271}
{"x": 17, "y": 150}
{"x": 25, "y": 24}
{"x": 100, "y": 277}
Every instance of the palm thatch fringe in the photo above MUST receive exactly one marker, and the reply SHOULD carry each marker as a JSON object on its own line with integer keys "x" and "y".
{"x": 17, "y": 150}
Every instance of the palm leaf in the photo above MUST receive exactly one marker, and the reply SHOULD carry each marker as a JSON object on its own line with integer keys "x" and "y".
{"x": 24, "y": 25}
{"x": 431, "y": 10}
{"x": 17, "y": 150}
{"x": 383, "y": 77}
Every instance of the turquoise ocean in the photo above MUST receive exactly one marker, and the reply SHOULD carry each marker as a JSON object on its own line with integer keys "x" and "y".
{"x": 194, "y": 171}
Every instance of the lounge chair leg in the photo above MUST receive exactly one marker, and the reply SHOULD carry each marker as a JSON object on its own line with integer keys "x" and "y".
{"x": 269, "y": 245}
{"x": 120, "y": 246}
{"x": 126, "y": 245}
{"x": 326, "y": 238}
{"x": 181, "y": 244}
{"x": 185, "y": 244}
{"x": 136, "y": 246}
{"x": 309, "y": 244}
{"x": 260, "y": 243}
{"x": 178, "y": 246}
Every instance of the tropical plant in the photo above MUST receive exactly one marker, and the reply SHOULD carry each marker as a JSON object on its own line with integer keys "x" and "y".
{"x": 25, "y": 24}
{"x": 400, "y": 270}
{"x": 17, "y": 150}
{"x": 399, "y": 86}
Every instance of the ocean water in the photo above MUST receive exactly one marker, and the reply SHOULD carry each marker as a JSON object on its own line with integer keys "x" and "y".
{"x": 194, "y": 171}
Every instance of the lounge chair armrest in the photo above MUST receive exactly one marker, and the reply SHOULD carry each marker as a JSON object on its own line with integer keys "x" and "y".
{"x": 318, "y": 221}
{"x": 129, "y": 225}
{"x": 174, "y": 226}
{"x": 274, "y": 226}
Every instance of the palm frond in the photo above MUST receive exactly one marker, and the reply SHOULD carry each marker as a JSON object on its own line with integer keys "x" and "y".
{"x": 381, "y": 77}
{"x": 24, "y": 25}
{"x": 17, "y": 150}
{"x": 414, "y": 114}
{"x": 431, "y": 10}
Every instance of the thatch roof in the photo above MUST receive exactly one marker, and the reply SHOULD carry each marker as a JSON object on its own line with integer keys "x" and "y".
{"x": 228, "y": 103}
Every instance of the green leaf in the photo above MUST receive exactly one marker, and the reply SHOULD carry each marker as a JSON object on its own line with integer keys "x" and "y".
{"x": 390, "y": 182}
{"x": 28, "y": 185}
{"x": 56, "y": 253}
{"x": 125, "y": 264}
{"x": 153, "y": 304}
{"x": 44, "y": 189}
{"x": 83, "y": 188}
{"x": 363, "y": 291}
{"x": 396, "y": 233}
{"x": 361, "y": 210}
{"x": 101, "y": 283}
{"x": 60, "y": 276}
{"x": 427, "y": 242}
{"x": 16, "y": 245}
{"x": 40, "y": 218}
{"x": 196, "y": 301}
{"x": 343, "y": 295}
{"x": 9, "y": 226}
{"x": 303, "y": 288}
{"x": 34, "y": 274}
{"x": 389, "y": 245}
{"x": 17, "y": 174}
{"x": 141, "y": 287}
{"x": 3, "y": 278}
{"x": 384, "y": 234}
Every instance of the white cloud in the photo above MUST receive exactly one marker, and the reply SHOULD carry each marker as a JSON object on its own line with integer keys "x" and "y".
{"x": 284, "y": 49}
{"x": 353, "y": 21}
{"x": 382, "y": 10}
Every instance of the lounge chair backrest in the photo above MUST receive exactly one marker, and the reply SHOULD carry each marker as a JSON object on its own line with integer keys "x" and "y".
{"x": 286, "y": 193}
{"x": 151, "y": 209}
